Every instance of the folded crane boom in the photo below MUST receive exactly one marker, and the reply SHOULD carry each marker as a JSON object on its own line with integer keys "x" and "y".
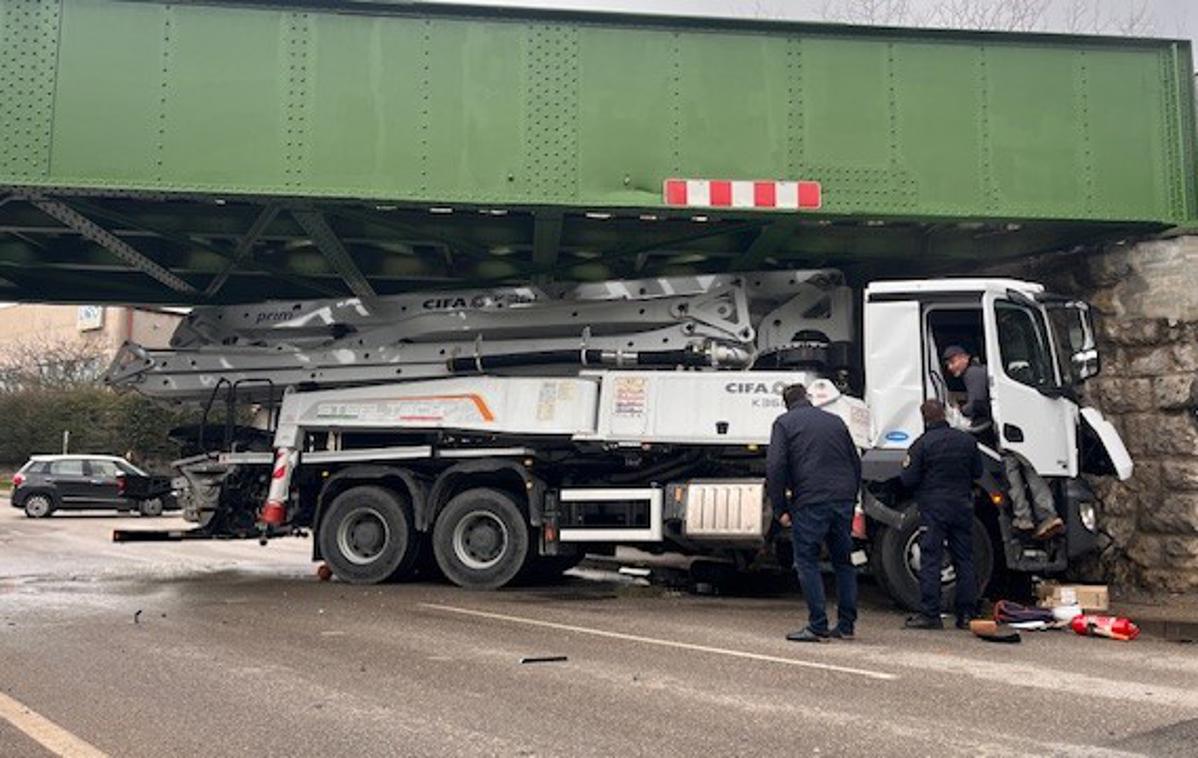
{"x": 714, "y": 321}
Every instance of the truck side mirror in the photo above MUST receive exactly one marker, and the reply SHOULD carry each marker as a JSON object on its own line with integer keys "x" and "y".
{"x": 1086, "y": 364}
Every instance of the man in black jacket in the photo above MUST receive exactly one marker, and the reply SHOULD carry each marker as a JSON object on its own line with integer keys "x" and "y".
{"x": 941, "y": 466}
{"x": 813, "y": 476}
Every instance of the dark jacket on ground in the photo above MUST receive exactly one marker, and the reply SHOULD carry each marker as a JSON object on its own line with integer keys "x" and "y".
{"x": 812, "y": 454}
{"x": 977, "y": 393}
{"x": 941, "y": 466}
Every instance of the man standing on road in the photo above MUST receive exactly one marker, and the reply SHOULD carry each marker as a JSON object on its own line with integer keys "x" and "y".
{"x": 941, "y": 466}
{"x": 813, "y": 475}
{"x": 1037, "y": 515}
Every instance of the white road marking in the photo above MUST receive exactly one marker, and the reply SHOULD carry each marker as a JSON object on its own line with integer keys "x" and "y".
{"x": 45, "y": 732}
{"x": 664, "y": 643}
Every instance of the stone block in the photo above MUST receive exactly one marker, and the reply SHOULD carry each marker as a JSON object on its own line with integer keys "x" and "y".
{"x": 1146, "y": 551}
{"x": 1185, "y": 356}
{"x": 1179, "y": 475}
{"x": 1124, "y": 395}
{"x": 1149, "y": 434}
{"x": 1170, "y": 514}
{"x": 1150, "y": 361}
{"x": 1169, "y": 580}
{"x": 1174, "y": 392}
{"x": 1134, "y": 331}
{"x": 1181, "y": 551}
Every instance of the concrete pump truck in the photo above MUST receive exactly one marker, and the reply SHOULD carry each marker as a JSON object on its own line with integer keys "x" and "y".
{"x": 507, "y": 432}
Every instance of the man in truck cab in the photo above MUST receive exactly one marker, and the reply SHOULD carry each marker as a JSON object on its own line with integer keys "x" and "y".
{"x": 941, "y": 467}
{"x": 1038, "y": 514}
{"x": 813, "y": 476}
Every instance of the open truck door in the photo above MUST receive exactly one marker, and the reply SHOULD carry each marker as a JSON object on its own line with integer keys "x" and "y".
{"x": 1028, "y": 402}
{"x": 1071, "y": 323}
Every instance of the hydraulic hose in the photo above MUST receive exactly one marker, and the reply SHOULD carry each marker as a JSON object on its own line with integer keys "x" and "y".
{"x": 657, "y": 358}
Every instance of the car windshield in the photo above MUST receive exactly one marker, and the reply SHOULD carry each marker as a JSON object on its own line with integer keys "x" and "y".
{"x": 129, "y": 468}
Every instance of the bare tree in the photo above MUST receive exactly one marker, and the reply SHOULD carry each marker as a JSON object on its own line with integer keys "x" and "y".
{"x": 1010, "y": 15}
{"x": 1091, "y": 17}
{"x": 869, "y": 11}
{"x": 46, "y": 365}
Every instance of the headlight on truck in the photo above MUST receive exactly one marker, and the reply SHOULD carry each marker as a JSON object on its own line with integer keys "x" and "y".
{"x": 1089, "y": 516}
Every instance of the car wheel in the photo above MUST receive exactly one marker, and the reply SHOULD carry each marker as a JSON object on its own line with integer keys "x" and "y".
{"x": 38, "y": 505}
{"x": 368, "y": 536}
{"x": 150, "y": 507}
{"x": 897, "y": 559}
{"x": 481, "y": 539}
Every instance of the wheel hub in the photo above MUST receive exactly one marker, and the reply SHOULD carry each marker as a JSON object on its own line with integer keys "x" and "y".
{"x": 363, "y": 535}
{"x": 948, "y": 574}
{"x": 480, "y": 540}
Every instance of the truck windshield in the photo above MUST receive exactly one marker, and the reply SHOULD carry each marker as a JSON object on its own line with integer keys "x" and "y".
{"x": 1023, "y": 345}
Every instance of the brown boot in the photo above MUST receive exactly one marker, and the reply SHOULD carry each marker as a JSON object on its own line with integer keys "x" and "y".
{"x": 1050, "y": 528}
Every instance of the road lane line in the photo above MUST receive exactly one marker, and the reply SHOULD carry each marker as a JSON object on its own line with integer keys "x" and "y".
{"x": 663, "y": 643}
{"x": 45, "y": 732}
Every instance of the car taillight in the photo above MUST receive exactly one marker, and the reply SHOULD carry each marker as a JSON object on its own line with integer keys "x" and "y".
{"x": 120, "y": 485}
{"x": 18, "y": 479}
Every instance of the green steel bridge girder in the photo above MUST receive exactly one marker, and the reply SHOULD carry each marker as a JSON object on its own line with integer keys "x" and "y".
{"x": 178, "y": 126}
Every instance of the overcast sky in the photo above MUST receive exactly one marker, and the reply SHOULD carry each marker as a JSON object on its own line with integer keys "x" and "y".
{"x": 1157, "y": 18}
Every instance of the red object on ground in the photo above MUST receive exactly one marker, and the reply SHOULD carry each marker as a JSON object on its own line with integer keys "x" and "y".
{"x": 323, "y": 572}
{"x": 1115, "y": 627}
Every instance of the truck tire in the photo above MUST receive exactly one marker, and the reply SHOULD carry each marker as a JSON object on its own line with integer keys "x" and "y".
{"x": 39, "y": 505}
{"x": 896, "y": 556}
{"x": 150, "y": 507}
{"x": 481, "y": 539}
{"x": 367, "y": 536}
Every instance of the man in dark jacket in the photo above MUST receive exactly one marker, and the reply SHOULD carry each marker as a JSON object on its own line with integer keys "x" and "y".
{"x": 813, "y": 476}
{"x": 977, "y": 385}
{"x": 941, "y": 467}
{"x": 1037, "y": 514}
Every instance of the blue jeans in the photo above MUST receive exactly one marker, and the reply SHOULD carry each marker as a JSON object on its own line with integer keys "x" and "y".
{"x": 952, "y": 522}
{"x": 813, "y": 525}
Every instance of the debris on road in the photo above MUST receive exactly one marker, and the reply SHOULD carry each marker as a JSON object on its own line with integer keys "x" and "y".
{"x": 323, "y": 572}
{"x": 1113, "y": 627}
{"x": 1091, "y": 597}
{"x": 137, "y": 616}
{"x": 992, "y": 631}
{"x": 544, "y": 659}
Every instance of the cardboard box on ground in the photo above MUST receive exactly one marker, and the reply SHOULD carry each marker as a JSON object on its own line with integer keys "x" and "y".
{"x": 1091, "y": 597}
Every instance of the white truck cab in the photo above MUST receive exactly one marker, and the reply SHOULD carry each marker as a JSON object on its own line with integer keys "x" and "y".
{"x": 1037, "y": 349}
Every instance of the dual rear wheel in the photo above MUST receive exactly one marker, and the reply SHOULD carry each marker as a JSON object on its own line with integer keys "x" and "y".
{"x": 481, "y": 539}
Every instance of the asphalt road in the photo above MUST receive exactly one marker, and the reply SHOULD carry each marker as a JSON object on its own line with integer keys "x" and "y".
{"x": 232, "y": 649}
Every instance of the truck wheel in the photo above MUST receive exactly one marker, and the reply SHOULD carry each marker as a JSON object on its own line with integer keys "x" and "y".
{"x": 897, "y": 560}
{"x": 39, "y": 505}
{"x": 367, "y": 536}
{"x": 150, "y": 507}
{"x": 481, "y": 539}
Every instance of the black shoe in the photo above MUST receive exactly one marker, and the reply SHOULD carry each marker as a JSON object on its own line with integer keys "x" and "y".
{"x": 843, "y": 634}
{"x": 963, "y": 621}
{"x": 920, "y": 621}
{"x": 806, "y": 634}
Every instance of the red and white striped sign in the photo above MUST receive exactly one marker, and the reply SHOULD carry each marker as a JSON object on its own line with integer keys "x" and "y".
{"x": 736, "y": 193}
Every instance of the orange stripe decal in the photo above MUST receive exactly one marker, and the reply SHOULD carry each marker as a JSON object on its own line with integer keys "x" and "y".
{"x": 479, "y": 403}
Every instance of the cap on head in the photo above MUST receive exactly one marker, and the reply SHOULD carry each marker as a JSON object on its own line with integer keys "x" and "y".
{"x": 952, "y": 351}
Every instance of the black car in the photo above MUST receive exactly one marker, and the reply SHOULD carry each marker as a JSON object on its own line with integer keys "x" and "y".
{"x": 47, "y": 483}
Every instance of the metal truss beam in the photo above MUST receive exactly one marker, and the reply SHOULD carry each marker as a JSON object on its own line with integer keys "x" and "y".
{"x": 244, "y": 246}
{"x": 325, "y": 239}
{"x": 118, "y": 247}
